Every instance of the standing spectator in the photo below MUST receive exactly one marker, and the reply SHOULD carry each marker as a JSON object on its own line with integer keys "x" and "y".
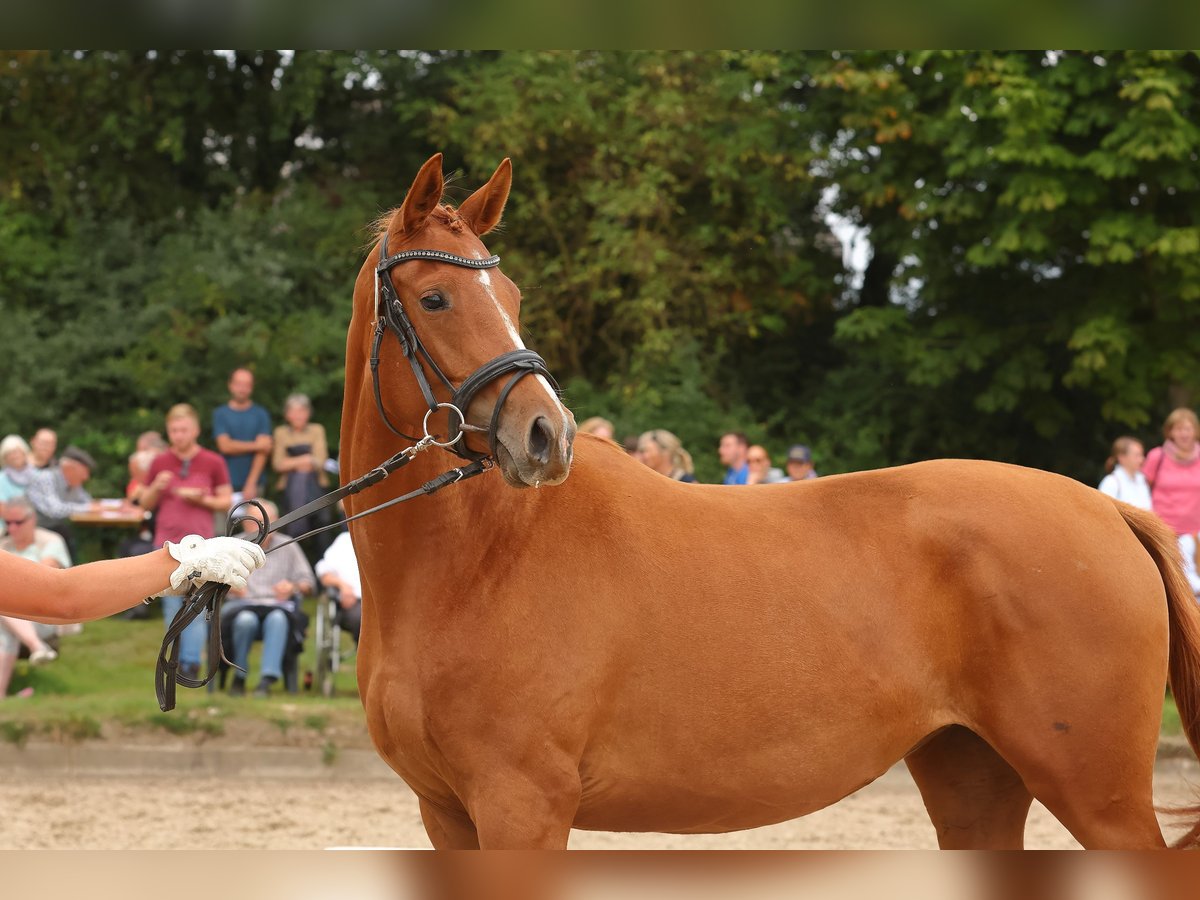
{"x": 1173, "y": 472}
{"x": 26, "y": 540}
{"x": 732, "y": 451}
{"x": 149, "y": 445}
{"x": 598, "y": 426}
{"x": 267, "y": 608}
{"x": 187, "y": 485}
{"x": 338, "y": 571}
{"x": 761, "y": 470}
{"x": 43, "y": 443}
{"x": 17, "y": 471}
{"x": 799, "y": 463}
{"x": 1125, "y": 480}
{"x": 663, "y": 452}
{"x": 58, "y": 492}
{"x": 242, "y": 430}
{"x": 299, "y": 456}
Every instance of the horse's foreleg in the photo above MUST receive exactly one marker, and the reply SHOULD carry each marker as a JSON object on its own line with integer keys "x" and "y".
{"x": 525, "y": 811}
{"x": 448, "y": 831}
{"x": 974, "y": 798}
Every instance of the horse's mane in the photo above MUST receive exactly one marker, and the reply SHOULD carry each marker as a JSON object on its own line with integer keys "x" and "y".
{"x": 444, "y": 213}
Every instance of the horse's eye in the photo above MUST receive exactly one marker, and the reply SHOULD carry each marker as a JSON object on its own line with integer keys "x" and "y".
{"x": 434, "y": 302}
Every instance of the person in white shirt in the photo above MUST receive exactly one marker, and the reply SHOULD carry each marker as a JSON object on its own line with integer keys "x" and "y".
{"x": 1125, "y": 480}
{"x": 338, "y": 569}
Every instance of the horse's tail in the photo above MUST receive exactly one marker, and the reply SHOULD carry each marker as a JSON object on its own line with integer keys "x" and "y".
{"x": 1183, "y": 616}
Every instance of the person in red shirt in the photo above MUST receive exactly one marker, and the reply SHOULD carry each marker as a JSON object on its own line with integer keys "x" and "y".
{"x": 187, "y": 484}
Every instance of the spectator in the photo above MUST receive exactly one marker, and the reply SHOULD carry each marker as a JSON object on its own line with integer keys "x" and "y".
{"x": 629, "y": 444}
{"x": 39, "y": 545}
{"x": 43, "y": 443}
{"x": 299, "y": 456}
{"x": 17, "y": 471}
{"x": 268, "y": 608}
{"x": 58, "y": 492}
{"x": 598, "y": 426}
{"x": 799, "y": 463}
{"x": 149, "y": 445}
{"x": 1173, "y": 472}
{"x": 338, "y": 571}
{"x": 662, "y": 451}
{"x": 1125, "y": 480}
{"x": 732, "y": 452}
{"x": 761, "y": 470}
{"x": 242, "y": 430}
{"x": 187, "y": 485}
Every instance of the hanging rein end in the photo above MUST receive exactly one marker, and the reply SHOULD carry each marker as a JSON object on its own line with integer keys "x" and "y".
{"x": 204, "y": 599}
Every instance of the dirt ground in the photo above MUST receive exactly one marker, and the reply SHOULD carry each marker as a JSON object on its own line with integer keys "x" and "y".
{"x": 89, "y": 812}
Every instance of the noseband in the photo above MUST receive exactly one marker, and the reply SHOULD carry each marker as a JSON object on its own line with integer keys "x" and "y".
{"x": 390, "y": 315}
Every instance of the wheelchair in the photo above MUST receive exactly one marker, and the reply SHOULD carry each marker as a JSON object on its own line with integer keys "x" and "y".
{"x": 328, "y": 637}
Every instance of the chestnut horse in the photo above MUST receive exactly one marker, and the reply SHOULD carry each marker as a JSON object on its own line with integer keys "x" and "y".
{"x": 624, "y": 652}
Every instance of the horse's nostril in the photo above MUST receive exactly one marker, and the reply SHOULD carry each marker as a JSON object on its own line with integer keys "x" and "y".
{"x": 540, "y": 440}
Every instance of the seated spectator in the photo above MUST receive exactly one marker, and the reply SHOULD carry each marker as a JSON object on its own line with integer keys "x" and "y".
{"x": 662, "y": 451}
{"x": 799, "y": 463}
{"x": 58, "y": 492}
{"x": 598, "y": 426}
{"x": 299, "y": 454}
{"x": 732, "y": 450}
{"x": 149, "y": 445}
{"x": 338, "y": 570}
{"x": 26, "y": 540}
{"x": 17, "y": 471}
{"x": 761, "y": 470}
{"x": 43, "y": 443}
{"x": 268, "y": 608}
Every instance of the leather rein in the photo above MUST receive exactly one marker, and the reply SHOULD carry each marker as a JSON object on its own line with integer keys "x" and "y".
{"x": 206, "y": 599}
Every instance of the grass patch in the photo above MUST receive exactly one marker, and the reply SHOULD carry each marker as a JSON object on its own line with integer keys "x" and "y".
{"x": 106, "y": 674}
{"x": 15, "y": 732}
{"x": 283, "y": 724}
{"x": 329, "y": 753}
{"x": 1171, "y": 726}
{"x": 187, "y": 724}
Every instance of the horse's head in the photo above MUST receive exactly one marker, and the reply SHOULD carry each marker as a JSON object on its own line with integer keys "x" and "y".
{"x": 458, "y": 315}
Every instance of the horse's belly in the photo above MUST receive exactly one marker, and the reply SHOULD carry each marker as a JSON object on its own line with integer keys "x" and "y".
{"x": 730, "y": 798}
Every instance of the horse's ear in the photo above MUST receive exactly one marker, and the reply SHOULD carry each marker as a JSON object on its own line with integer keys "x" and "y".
{"x": 483, "y": 209}
{"x": 423, "y": 197}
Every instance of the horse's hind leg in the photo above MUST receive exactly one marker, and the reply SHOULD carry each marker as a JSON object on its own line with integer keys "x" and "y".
{"x": 974, "y": 798}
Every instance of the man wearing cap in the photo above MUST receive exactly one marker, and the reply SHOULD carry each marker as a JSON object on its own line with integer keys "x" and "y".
{"x": 799, "y": 463}
{"x": 58, "y": 492}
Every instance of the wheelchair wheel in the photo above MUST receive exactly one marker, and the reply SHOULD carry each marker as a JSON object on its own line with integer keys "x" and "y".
{"x": 327, "y": 649}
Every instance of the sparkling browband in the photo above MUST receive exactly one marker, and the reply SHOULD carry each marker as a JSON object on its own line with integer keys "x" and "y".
{"x": 439, "y": 256}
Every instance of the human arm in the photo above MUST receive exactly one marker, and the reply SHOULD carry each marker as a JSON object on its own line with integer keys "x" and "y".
{"x": 250, "y": 488}
{"x": 150, "y": 494}
{"x": 219, "y": 500}
{"x": 98, "y": 589}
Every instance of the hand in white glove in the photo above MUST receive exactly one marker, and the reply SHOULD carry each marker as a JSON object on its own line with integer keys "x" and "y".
{"x": 226, "y": 560}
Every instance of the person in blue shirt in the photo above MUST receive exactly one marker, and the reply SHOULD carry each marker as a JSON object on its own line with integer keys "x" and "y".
{"x": 242, "y": 431}
{"x": 732, "y": 451}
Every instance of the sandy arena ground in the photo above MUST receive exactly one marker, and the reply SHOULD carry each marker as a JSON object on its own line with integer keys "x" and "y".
{"x": 84, "y": 812}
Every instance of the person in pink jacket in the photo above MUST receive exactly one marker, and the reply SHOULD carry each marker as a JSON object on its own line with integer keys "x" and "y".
{"x": 1173, "y": 472}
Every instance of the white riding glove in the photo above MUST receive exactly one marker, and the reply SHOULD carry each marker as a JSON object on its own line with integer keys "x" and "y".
{"x": 226, "y": 560}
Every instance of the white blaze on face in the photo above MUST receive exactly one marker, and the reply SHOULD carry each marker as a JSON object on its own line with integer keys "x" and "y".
{"x": 485, "y": 281}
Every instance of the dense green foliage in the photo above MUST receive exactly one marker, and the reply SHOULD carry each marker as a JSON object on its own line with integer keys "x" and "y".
{"x": 1031, "y": 294}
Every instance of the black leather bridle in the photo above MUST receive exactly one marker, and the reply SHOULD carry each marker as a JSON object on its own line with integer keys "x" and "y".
{"x": 389, "y": 315}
